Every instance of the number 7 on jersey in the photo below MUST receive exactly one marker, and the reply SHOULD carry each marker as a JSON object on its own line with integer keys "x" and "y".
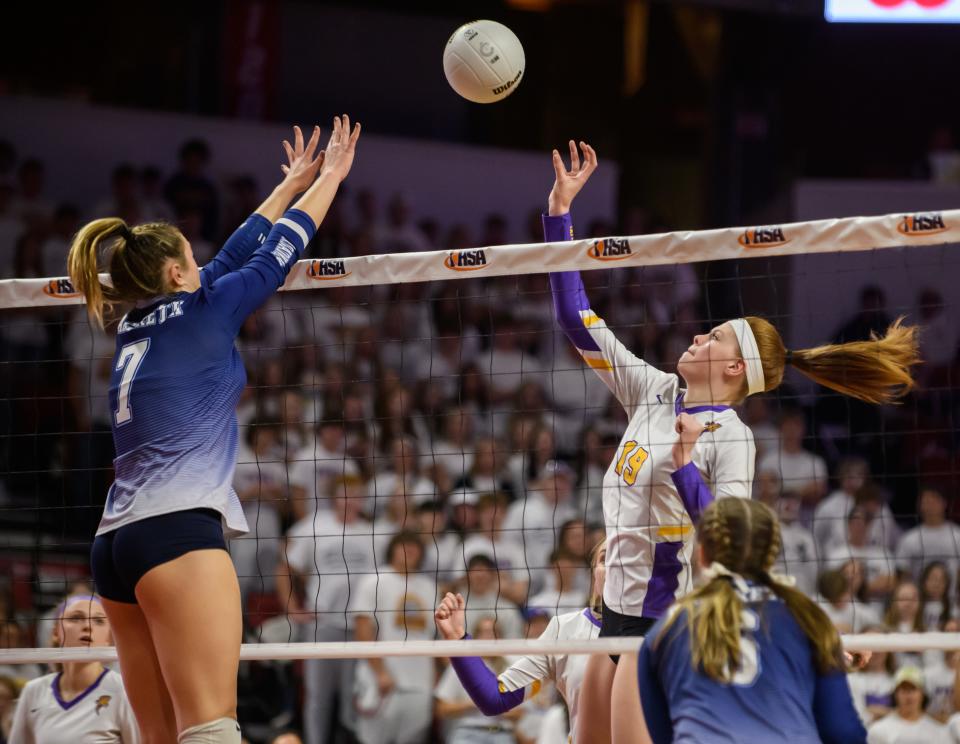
{"x": 128, "y": 360}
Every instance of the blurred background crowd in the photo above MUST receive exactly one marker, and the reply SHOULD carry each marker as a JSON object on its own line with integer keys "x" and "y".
{"x": 449, "y": 426}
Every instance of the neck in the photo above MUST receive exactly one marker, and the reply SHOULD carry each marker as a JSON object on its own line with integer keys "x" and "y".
{"x": 911, "y": 715}
{"x": 706, "y": 395}
{"x": 934, "y": 522}
{"x": 78, "y": 676}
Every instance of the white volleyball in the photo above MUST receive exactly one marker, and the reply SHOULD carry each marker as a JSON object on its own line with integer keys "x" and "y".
{"x": 483, "y": 61}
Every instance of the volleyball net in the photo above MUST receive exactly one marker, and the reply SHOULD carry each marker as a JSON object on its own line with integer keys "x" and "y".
{"x": 429, "y": 395}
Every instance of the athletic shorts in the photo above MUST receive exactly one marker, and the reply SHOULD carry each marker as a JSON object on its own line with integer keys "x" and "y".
{"x": 615, "y": 625}
{"x": 120, "y": 558}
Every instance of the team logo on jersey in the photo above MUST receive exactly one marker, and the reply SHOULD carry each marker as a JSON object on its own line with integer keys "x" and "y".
{"x": 471, "y": 260}
{"x": 102, "y": 702}
{"x": 610, "y": 249}
{"x": 922, "y": 224}
{"x": 712, "y": 426}
{"x": 763, "y": 237}
{"x": 62, "y": 289}
{"x": 326, "y": 269}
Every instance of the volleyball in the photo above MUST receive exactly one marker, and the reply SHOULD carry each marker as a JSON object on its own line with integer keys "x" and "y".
{"x": 483, "y": 61}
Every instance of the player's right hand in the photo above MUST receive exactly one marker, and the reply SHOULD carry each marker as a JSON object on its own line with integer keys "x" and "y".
{"x": 569, "y": 182}
{"x": 451, "y": 617}
{"x": 338, "y": 156}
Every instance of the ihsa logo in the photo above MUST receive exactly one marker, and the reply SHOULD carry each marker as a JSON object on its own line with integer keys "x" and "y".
{"x": 611, "y": 249}
{"x": 466, "y": 260}
{"x": 763, "y": 237}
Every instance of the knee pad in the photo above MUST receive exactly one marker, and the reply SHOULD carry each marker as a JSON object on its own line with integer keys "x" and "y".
{"x": 221, "y": 731}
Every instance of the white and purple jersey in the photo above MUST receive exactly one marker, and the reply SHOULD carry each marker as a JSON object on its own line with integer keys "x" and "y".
{"x": 177, "y": 376}
{"x": 650, "y": 508}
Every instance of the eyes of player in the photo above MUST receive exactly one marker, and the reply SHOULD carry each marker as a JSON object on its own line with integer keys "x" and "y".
{"x": 98, "y": 620}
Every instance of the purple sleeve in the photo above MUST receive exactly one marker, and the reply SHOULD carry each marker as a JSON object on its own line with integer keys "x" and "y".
{"x": 569, "y": 296}
{"x": 482, "y": 686}
{"x": 694, "y": 493}
{"x": 238, "y": 248}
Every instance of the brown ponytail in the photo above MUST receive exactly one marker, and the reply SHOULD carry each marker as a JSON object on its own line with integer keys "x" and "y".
{"x": 744, "y": 535}
{"x": 135, "y": 262}
{"x": 874, "y": 371}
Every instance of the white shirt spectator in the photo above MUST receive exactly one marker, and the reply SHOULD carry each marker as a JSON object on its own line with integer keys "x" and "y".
{"x": 506, "y": 551}
{"x": 923, "y": 544}
{"x": 876, "y": 561}
{"x": 535, "y": 523}
{"x": 938, "y": 683}
{"x": 853, "y": 615}
{"x": 797, "y": 470}
{"x": 830, "y": 523}
{"x": 455, "y": 459}
{"x": 870, "y": 689}
{"x": 335, "y": 557}
{"x": 798, "y": 556}
{"x": 313, "y": 469}
{"x": 892, "y": 729}
{"x": 510, "y": 622}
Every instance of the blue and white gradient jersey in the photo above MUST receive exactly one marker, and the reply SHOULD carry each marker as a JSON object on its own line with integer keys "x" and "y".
{"x": 177, "y": 377}
{"x": 776, "y": 697}
{"x": 650, "y": 509}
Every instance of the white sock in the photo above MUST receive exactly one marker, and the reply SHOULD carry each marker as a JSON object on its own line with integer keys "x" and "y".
{"x": 221, "y": 731}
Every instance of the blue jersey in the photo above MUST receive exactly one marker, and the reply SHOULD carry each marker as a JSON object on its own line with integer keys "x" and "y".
{"x": 177, "y": 376}
{"x": 776, "y": 696}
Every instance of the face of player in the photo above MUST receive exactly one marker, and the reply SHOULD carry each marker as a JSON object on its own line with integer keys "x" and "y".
{"x": 600, "y": 571}
{"x": 84, "y": 623}
{"x": 713, "y": 358}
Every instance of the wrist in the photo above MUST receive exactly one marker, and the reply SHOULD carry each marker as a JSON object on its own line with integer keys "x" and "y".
{"x": 557, "y": 207}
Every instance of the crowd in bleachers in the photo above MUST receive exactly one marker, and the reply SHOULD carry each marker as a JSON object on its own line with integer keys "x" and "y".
{"x": 399, "y": 441}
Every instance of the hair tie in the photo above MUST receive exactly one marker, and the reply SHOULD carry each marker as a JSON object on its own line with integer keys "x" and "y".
{"x": 127, "y": 234}
{"x": 788, "y": 357}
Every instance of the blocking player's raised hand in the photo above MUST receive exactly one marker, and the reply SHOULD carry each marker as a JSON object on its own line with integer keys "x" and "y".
{"x": 450, "y": 617}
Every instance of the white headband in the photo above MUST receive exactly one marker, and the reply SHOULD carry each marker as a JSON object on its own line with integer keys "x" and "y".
{"x": 750, "y": 354}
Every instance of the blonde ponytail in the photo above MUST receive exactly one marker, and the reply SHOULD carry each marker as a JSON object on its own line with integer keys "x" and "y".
{"x": 83, "y": 264}
{"x": 874, "y": 371}
{"x": 135, "y": 261}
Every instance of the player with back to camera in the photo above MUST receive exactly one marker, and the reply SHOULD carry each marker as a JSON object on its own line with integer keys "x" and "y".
{"x": 683, "y": 447}
{"x": 83, "y": 702}
{"x": 746, "y": 658}
{"x": 494, "y": 694}
{"x": 159, "y": 559}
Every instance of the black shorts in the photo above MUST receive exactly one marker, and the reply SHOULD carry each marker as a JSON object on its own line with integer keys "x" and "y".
{"x": 120, "y": 558}
{"x": 615, "y": 625}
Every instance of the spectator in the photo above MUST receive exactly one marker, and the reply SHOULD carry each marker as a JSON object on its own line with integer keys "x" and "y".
{"x": 903, "y": 616}
{"x": 395, "y": 605}
{"x": 124, "y": 200}
{"x": 190, "y": 222}
{"x": 801, "y": 471}
{"x": 454, "y": 450}
{"x": 260, "y": 480}
{"x": 504, "y": 547}
{"x": 443, "y": 560}
{"x": 30, "y": 205}
{"x": 798, "y": 554}
{"x": 934, "y": 539}
{"x": 191, "y": 189}
{"x": 879, "y": 573}
{"x": 485, "y": 599}
{"x": 296, "y": 433}
{"x": 564, "y": 593}
{"x": 830, "y": 516}
{"x": 536, "y": 519}
{"x": 462, "y": 722}
{"x": 403, "y": 483}
{"x": 846, "y": 613}
{"x": 908, "y": 722}
{"x": 484, "y": 474}
{"x": 398, "y": 234}
{"x": 317, "y": 465}
{"x": 940, "y": 680}
{"x": 527, "y": 465}
{"x": 935, "y": 609}
{"x": 872, "y": 686}
{"x": 506, "y": 363}
{"x": 329, "y": 552}
{"x": 598, "y": 452}
{"x": 152, "y": 204}
{"x": 757, "y": 415}
{"x": 66, "y": 220}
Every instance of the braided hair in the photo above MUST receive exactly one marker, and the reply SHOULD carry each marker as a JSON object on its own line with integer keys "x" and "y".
{"x": 744, "y": 536}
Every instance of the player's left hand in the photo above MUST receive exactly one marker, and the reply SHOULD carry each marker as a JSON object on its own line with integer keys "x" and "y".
{"x": 689, "y": 428}
{"x": 857, "y": 659}
{"x": 302, "y": 167}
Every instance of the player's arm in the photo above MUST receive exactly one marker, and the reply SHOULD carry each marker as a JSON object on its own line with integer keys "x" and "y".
{"x": 493, "y": 696}
{"x": 621, "y": 371}
{"x": 653, "y": 700}
{"x": 237, "y": 294}
{"x": 836, "y": 718}
{"x": 21, "y": 730}
{"x": 733, "y": 469}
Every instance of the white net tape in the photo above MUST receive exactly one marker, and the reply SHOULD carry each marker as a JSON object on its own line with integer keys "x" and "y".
{"x": 845, "y": 235}
{"x": 907, "y": 642}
